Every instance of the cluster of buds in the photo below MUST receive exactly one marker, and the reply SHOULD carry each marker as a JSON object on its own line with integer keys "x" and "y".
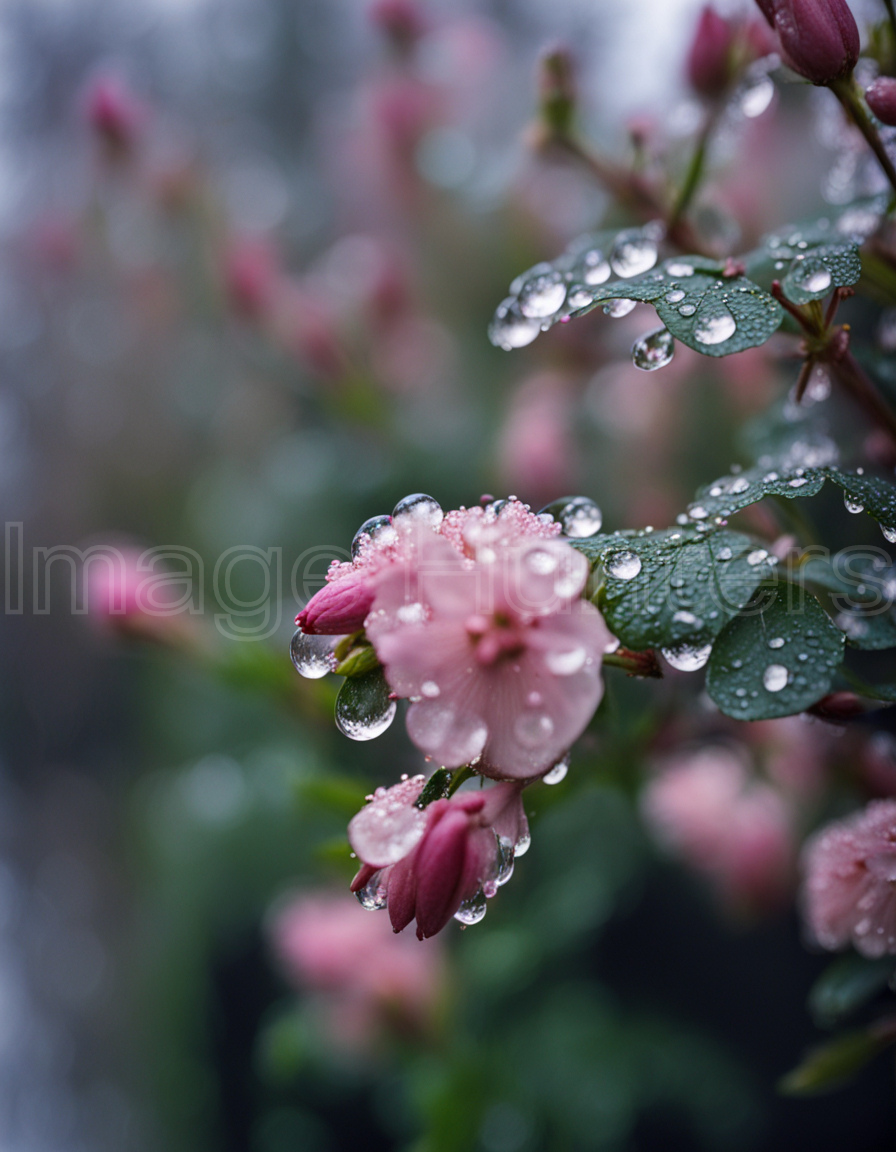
{"x": 477, "y": 618}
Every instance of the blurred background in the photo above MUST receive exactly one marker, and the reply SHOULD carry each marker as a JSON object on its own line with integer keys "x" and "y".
{"x": 249, "y": 250}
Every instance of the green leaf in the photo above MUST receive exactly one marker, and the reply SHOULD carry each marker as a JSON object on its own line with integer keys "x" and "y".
{"x": 846, "y": 986}
{"x": 831, "y": 1065}
{"x": 775, "y": 659}
{"x": 859, "y": 590}
{"x": 728, "y": 494}
{"x": 870, "y": 494}
{"x": 677, "y": 586}
{"x": 810, "y": 260}
{"x": 701, "y": 308}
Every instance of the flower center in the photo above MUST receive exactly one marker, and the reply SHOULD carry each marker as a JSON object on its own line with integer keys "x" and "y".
{"x": 495, "y": 638}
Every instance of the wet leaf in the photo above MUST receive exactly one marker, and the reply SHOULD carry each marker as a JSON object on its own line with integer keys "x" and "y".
{"x": 830, "y": 1065}
{"x": 728, "y": 494}
{"x": 776, "y": 658}
{"x": 661, "y": 589}
{"x": 810, "y": 260}
{"x": 846, "y": 986}
{"x": 858, "y": 587}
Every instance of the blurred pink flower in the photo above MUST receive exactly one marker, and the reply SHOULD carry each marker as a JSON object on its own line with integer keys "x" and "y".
{"x": 433, "y": 860}
{"x": 536, "y": 453}
{"x": 251, "y": 276}
{"x": 500, "y": 657}
{"x": 710, "y": 58}
{"x": 709, "y": 810}
{"x": 849, "y": 896}
{"x": 370, "y": 981}
{"x": 114, "y": 584}
{"x": 114, "y": 113}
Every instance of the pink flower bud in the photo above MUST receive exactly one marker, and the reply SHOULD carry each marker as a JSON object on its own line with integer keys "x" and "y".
{"x": 251, "y": 277}
{"x": 114, "y": 113}
{"x": 881, "y": 99}
{"x": 401, "y": 20}
{"x": 709, "y": 63}
{"x": 818, "y": 38}
{"x": 338, "y": 608}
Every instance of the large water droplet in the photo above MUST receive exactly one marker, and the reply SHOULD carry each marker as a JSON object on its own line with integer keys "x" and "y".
{"x": 472, "y": 909}
{"x": 633, "y": 253}
{"x": 524, "y": 843}
{"x": 889, "y": 533}
{"x": 776, "y": 642}
{"x": 715, "y": 327}
{"x": 756, "y": 557}
{"x": 379, "y": 529}
{"x": 755, "y": 96}
{"x": 418, "y": 508}
{"x": 363, "y": 707}
{"x": 578, "y": 516}
{"x": 654, "y": 350}
{"x": 533, "y": 729}
{"x": 542, "y": 295}
{"x": 619, "y": 308}
{"x": 313, "y": 655}
{"x": 623, "y": 565}
{"x": 775, "y": 677}
{"x": 558, "y": 772}
{"x": 510, "y": 328}
{"x": 687, "y": 657}
{"x": 373, "y": 895}
{"x": 853, "y": 505}
{"x": 595, "y": 269}
{"x": 579, "y": 297}
{"x": 679, "y": 268}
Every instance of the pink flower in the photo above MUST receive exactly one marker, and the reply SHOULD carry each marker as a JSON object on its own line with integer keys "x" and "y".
{"x": 114, "y": 113}
{"x": 709, "y": 810}
{"x": 251, "y": 276}
{"x": 369, "y": 980}
{"x": 424, "y": 864}
{"x": 850, "y": 881}
{"x": 819, "y": 38}
{"x": 500, "y": 657}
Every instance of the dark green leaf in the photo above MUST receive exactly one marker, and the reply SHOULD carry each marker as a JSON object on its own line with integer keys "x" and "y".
{"x": 810, "y": 260}
{"x": 831, "y": 1065}
{"x": 847, "y": 985}
{"x": 662, "y": 589}
{"x": 729, "y": 494}
{"x": 775, "y": 659}
{"x": 858, "y": 587}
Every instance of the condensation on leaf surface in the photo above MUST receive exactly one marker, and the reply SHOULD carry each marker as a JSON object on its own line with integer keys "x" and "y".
{"x": 777, "y": 658}
{"x": 673, "y": 587}
{"x": 809, "y": 259}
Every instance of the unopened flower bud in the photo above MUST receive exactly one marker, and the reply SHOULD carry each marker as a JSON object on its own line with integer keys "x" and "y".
{"x": 819, "y": 38}
{"x": 557, "y": 91}
{"x": 401, "y": 20}
{"x": 338, "y": 608}
{"x": 838, "y": 707}
{"x": 880, "y": 96}
{"x": 709, "y": 63}
{"x": 114, "y": 113}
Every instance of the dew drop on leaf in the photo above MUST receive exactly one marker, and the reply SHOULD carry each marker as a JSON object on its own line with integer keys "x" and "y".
{"x": 716, "y": 327}
{"x": 619, "y": 308}
{"x": 687, "y": 657}
{"x": 853, "y": 505}
{"x": 578, "y": 516}
{"x": 623, "y": 565}
{"x": 775, "y": 677}
{"x": 542, "y": 295}
{"x": 654, "y": 350}
{"x": 632, "y": 254}
{"x": 509, "y": 328}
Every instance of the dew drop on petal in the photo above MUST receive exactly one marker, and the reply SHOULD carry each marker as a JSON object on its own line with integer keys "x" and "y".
{"x": 653, "y": 350}
{"x": 473, "y": 909}
{"x": 566, "y": 663}
{"x": 687, "y": 657}
{"x": 313, "y": 656}
{"x": 420, "y": 509}
{"x": 379, "y": 529}
{"x": 775, "y": 677}
{"x": 533, "y": 729}
{"x": 623, "y": 565}
{"x": 373, "y": 895}
{"x": 558, "y": 772}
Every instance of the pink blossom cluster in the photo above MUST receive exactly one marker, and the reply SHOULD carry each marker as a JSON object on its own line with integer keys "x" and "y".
{"x": 709, "y": 809}
{"x": 849, "y": 896}
{"x": 368, "y": 982}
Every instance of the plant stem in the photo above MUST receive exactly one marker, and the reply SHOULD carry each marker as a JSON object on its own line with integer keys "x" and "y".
{"x": 891, "y": 13}
{"x": 847, "y": 93}
{"x": 852, "y": 376}
{"x": 695, "y": 170}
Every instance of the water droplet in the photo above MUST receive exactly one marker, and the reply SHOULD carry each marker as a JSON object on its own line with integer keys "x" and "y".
{"x": 364, "y": 709}
{"x": 595, "y": 269}
{"x": 430, "y": 689}
{"x": 378, "y": 529}
{"x": 633, "y": 253}
{"x": 687, "y": 657}
{"x": 558, "y": 772}
{"x": 653, "y": 350}
{"x": 757, "y": 556}
{"x": 674, "y": 296}
{"x": 810, "y": 275}
{"x": 775, "y": 677}
{"x": 313, "y": 655}
{"x": 619, "y": 308}
{"x": 776, "y": 642}
{"x": 715, "y": 327}
{"x": 697, "y": 512}
{"x": 755, "y": 96}
{"x": 687, "y": 309}
{"x": 682, "y": 616}
{"x": 623, "y": 565}
{"x": 724, "y": 553}
{"x": 524, "y": 843}
{"x": 679, "y": 268}
{"x": 473, "y": 909}
{"x": 853, "y": 505}
{"x": 889, "y": 533}
{"x": 509, "y": 328}
{"x": 542, "y": 295}
{"x": 420, "y": 509}
{"x": 739, "y": 484}
{"x": 579, "y": 516}
{"x": 533, "y": 729}
{"x": 579, "y": 298}
{"x": 373, "y": 895}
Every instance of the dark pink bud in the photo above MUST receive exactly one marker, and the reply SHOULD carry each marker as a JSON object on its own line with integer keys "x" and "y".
{"x": 114, "y": 113}
{"x": 881, "y": 99}
{"x": 819, "y": 38}
{"x": 709, "y": 63}
{"x": 338, "y": 608}
{"x": 446, "y": 868}
{"x": 401, "y": 20}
